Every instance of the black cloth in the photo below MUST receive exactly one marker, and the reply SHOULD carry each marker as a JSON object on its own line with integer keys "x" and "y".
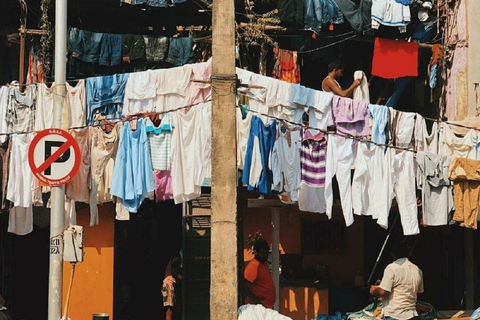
{"x": 290, "y": 13}
{"x": 358, "y": 13}
{"x": 133, "y": 46}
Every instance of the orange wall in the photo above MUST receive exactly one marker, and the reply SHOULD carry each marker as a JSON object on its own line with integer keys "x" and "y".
{"x": 92, "y": 290}
{"x": 343, "y": 266}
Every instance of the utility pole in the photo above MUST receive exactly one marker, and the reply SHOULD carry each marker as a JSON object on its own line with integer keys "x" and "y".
{"x": 224, "y": 236}
{"x": 57, "y": 217}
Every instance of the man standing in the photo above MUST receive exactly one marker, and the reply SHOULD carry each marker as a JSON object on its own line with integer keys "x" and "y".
{"x": 401, "y": 282}
{"x": 330, "y": 83}
{"x": 260, "y": 288}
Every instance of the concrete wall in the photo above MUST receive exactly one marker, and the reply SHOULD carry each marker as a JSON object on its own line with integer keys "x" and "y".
{"x": 92, "y": 290}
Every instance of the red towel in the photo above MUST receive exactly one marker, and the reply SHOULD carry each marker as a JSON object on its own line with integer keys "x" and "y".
{"x": 394, "y": 59}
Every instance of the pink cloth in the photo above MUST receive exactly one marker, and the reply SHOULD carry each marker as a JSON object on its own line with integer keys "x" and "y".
{"x": 350, "y": 117}
{"x": 198, "y": 92}
{"x": 163, "y": 185}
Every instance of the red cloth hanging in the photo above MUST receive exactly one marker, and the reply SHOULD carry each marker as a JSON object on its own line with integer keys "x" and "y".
{"x": 394, "y": 59}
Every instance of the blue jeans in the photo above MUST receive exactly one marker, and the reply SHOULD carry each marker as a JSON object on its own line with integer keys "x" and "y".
{"x": 320, "y": 12}
{"x": 111, "y": 50}
{"x": 180, "y": 51}
{"x": 399, "y": 86}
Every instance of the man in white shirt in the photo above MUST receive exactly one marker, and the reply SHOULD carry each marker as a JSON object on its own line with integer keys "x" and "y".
{"x": 401, "y": 282}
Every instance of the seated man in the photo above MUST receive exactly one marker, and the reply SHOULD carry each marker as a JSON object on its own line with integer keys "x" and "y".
{"x": 401, "y": 282}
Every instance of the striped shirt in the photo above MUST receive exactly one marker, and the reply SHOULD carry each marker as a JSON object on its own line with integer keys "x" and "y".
{"x": 312, "y": 154}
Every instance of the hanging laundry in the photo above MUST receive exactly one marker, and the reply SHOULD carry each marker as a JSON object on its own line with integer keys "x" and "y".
{"x": 403, "y": 167}
{"x": 180, "y": 51}
{"x": 466, "y": 191}
{"x": 340, "y": 158}
{"x": 22, "y": 188}
{"x": 171, "y": 87}
{"x": 35, "y": 73}
{"x": 76, "y": 104}
{"x": 285, "y": 163}
{"x": 78, "y": 188}
{"x": 291, "y": 13}
{"x": 163, "y": 185}
{"x": 286, "y": 66}
{"x": 243, "y": 132}
{"x": 84, "y": 45}
{"x": 103, "y": 154}
{"x": 425, "y": 141}
{"x": 133, "y": 172}
{"x": 372, "y": 186}
{"x": 5, "y": 169}
{"x": 350, "y": 117}
{"x": 379, "y": 116}
{"x": 105, "y": 95}
{"x": 198, "y": 92}
{"x": 318, "y": 104}
{"x": 321, "y": 12}
{"x": 160, "y": 142}
{"x": 390, "y": 13}
{"x": 311, "y": 195}
{"x": 156, "y": 48}
{"x": 257, "y": 173}
{"x": 134, "y": 51}
{"x": 361, "y": 93}
{"x": 44, "y": 107}
{"x": 21, "y": 109}
{"x": 191, "y": 151}
{"x": 358, "y": 14}
{"x": 140, "y": 92}
{"x": 4, "y": 97}
{"x": 111, "y": 50}
{"x": 394, "y": 59}
{"x": 401, "y": 126}
{"x": 437, "y": 199}
{"x": 457, "y": 147}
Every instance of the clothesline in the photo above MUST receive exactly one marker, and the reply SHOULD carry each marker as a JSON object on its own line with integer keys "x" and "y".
{"x": 341, "y": 134}
{"x": 116, "y": 120}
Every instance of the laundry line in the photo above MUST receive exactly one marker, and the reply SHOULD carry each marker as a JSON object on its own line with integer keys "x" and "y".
{"x": 115, "y": 120}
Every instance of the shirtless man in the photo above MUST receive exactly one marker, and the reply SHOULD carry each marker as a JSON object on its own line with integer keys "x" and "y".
{"x": 330, "y": 84}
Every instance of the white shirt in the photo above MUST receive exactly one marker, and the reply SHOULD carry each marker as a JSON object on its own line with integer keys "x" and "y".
{"x": 455, "y": 147}
{"x": 44, "y": 108}
{"x": 243, "y": 132}
{"x": 76, "y": 104}
{"x": 191, "y": 151}
{"x": 3, "y": 113}
{"x": 140, "y": 92}
{"x": 403, "y": 280}
{"x": 160, "y": 142}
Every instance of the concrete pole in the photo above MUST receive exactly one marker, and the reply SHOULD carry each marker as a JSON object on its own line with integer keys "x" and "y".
{"x": 276, "y": 255}
{"x": 57, "y": 217}
{"x": 224, "y": 236}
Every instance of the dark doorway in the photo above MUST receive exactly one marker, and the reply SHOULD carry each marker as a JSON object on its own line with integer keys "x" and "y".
{"x": 143, "y": 247}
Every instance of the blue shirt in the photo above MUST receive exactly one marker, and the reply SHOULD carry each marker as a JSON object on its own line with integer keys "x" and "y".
{"x": 266, "y": 137}
{"x": 133, "y": 171}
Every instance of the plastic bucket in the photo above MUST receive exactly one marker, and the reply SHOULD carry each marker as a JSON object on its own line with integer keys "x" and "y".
{"x": 100, "y": 316}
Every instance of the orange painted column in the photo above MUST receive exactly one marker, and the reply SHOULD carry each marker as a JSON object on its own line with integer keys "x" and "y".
{"x": 92, "y": 290}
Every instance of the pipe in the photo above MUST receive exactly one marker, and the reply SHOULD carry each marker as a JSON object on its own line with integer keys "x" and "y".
{"x": 57, "y": 217}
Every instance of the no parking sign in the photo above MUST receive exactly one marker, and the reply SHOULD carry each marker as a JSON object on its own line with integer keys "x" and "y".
{"x": 54, "y": 157}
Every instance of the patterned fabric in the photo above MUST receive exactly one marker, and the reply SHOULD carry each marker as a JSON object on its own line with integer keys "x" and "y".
{"x": 312, "y": 154}
{"x": 286, "y": 66}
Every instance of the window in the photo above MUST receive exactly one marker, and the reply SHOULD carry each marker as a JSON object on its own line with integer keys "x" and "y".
{"x": 323, "y": 236}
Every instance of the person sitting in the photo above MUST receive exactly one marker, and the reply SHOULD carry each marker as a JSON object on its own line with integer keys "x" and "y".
{"x": 402, "y": 281}
{"x": 259, "y": 283}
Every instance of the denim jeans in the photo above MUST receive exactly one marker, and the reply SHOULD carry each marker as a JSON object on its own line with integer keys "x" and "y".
{"x": 180, "y": 51}
{"x": 399, "y": 86}
{"x": 320, "y": 12}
